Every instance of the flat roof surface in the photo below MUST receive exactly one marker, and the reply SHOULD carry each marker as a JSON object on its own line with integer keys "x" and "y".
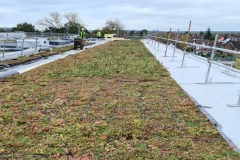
{"x": 214, "y": 97}
{"x": 26, "y": 67}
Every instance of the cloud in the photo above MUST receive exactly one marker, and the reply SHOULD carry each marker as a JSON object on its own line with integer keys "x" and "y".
{"x": 135, "y": 14}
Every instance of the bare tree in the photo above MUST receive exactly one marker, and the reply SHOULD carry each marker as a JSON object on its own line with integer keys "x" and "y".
{"x": 114, "y": 25}
{"x": 55, "y": 20}
{"x": 119, "y": 24}
{"x": 110, "y": 24}
{"x": 73, "y": 18}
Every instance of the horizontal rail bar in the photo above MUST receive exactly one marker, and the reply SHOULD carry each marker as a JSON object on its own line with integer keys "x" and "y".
{"x": 200, "y": 45}
{"x": 215, "y": 63}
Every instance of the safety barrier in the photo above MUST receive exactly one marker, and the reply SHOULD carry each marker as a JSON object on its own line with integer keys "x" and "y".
{"x": 156, "y": 39}
{"x": 19, "y": 45}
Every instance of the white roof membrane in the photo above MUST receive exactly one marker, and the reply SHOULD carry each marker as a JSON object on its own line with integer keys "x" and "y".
{"x": 221, "y": 88}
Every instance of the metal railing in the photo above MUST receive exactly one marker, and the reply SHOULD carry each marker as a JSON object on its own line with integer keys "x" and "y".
{"x": 21, "y": 46}
{"x": 210, "y": 61}
{"x": 200, "y": 45}
{"x": 213, "y": 48}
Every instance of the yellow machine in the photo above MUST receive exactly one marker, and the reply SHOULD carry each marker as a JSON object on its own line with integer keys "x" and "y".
{"x": 108, "y": 35}
{"x": 113, "y": 37}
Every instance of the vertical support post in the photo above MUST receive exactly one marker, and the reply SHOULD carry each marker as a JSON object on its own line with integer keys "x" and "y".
{"x": 67, "y": 29}
{"x": 36, "y": 45}
{"x": 175, "y": 45}
{"x": 152, "y": 39}
{"x": 238, "y": 103}
{"x": 3, "y": 50}
{"x": 167, "y": 42}
{"x": 155, "y": 42}
{"x": 118, "y": 32}
{"x": 148, "y": 39}
{"x": 186, "y": 44}
{"x": 211, "y": 58}
{"x": 236, "y": 60}
{"x": 79, "y": 29}
{"x": 156, "y": 39}
{"x": 22, "y": 47}
{"x": 158, "y": 44}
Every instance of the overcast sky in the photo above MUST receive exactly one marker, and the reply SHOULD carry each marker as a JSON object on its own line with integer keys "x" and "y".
{"x": 219, "y": 15}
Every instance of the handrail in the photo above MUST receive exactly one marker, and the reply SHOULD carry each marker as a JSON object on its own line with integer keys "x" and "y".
{"x": 205, "y": 59}
{"x": 200, "y": 45}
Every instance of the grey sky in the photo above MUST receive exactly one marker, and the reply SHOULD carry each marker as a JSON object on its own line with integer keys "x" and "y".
{"x": 219, "y": 15}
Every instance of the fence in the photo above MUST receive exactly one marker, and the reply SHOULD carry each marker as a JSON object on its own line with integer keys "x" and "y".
{"x": 213, "y": 48}
{"x": 155, "y": 39}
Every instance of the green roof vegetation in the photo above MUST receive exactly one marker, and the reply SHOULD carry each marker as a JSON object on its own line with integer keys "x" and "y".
{"x": 113, "y": 101}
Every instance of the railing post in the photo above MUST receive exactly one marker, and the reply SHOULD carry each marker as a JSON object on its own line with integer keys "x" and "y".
{"x": 36, "y": 46}
{"x": 152, "y": 40}
{"x": 156, "y": 39}
{"x": 22, "y": 47}
{"x": 158, "y": 45}
{"x": 148, "y": 39}
{"x": 238, "y": 103}
{"x": 167, "y": 43}
{"x": 3, "y": 50}
{"x": 155, "y": 42}
{"x": 175, "y": 45}
{"x": 211, "y": 58}
{"x": 186, "y": 44}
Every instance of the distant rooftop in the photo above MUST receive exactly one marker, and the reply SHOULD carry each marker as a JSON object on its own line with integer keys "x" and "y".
{"x": 5, "y": 28}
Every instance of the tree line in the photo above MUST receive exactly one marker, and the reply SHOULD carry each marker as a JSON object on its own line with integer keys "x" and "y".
{"x": 54, "y": 22}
